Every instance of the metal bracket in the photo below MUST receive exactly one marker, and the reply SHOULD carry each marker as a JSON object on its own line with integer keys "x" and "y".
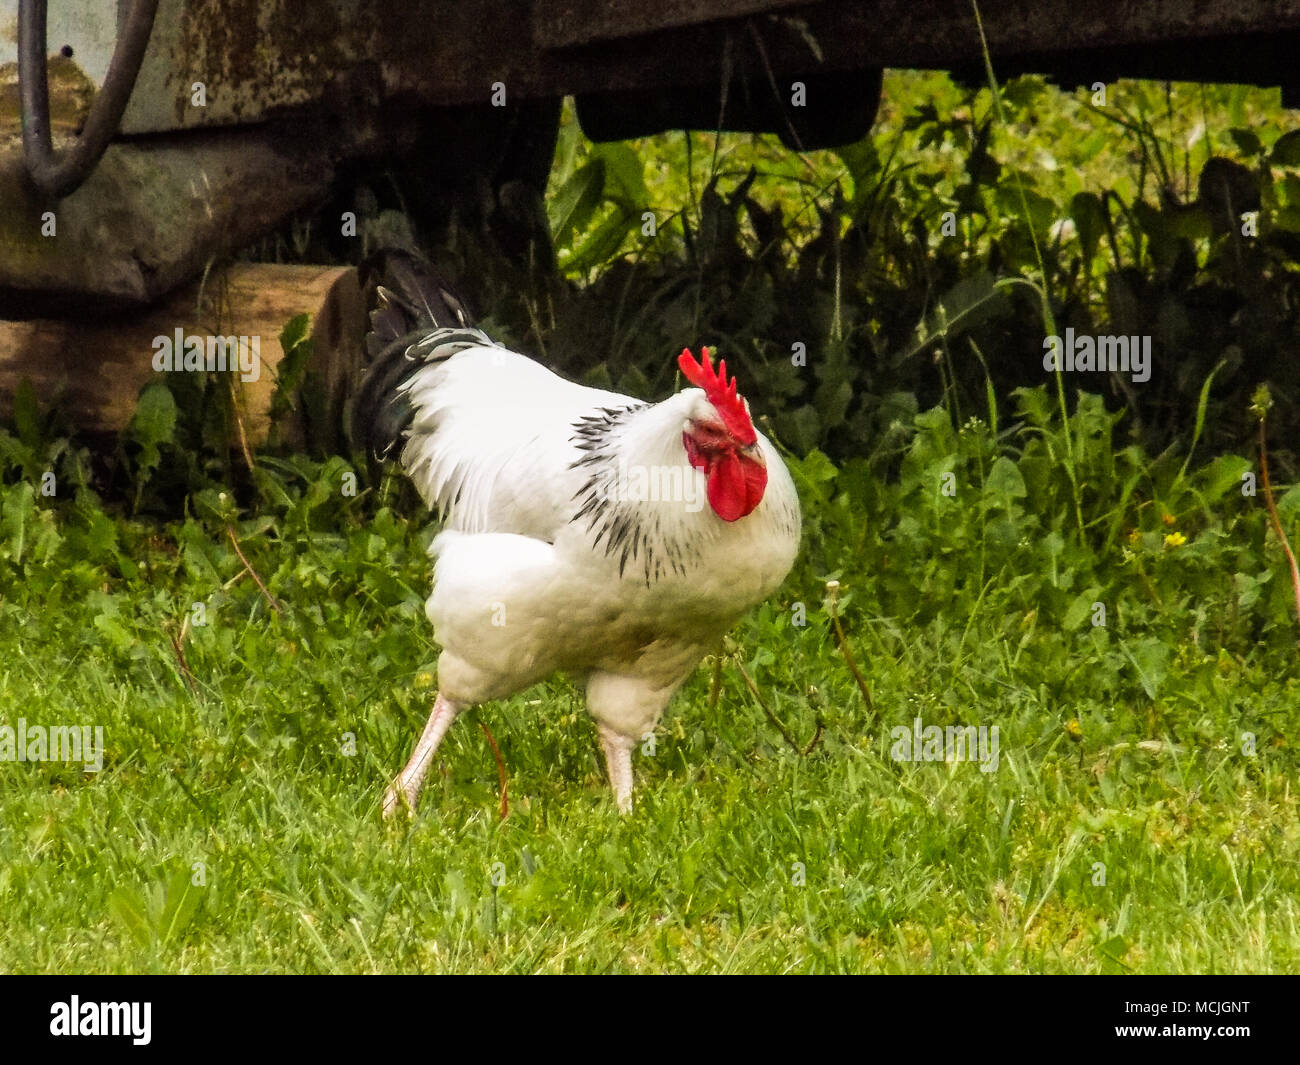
{"x": 58, "y": 175}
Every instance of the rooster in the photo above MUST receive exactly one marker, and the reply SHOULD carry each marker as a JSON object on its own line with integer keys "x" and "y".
{"x": 583, "y": 530}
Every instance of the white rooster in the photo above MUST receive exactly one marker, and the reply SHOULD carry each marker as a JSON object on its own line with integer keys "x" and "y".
{"x": 584, "y": 530}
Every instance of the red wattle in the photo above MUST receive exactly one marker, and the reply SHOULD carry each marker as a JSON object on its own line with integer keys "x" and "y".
{"x": 735, "y": 487}
{"x": 726, "y": 487}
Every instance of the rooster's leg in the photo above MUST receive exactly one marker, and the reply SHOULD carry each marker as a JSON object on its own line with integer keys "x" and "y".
{"x": 406, "y": 788}
{"x": 618, "y": 760}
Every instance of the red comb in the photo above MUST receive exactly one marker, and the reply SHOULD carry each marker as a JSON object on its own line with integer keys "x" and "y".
{"x": 721, "y": 392}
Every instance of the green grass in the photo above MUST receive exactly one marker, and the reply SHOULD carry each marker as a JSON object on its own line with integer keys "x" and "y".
{"x": 1111, "y": 751}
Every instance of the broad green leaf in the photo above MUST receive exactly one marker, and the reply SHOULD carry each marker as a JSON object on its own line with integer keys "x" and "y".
{"x": 129, "y": 907}
{"x": 1004, "y": 479}
{"x": 1151, "y": 660}
{"x": 154, "y": 423}
{"x": 603, "y": 244}
{"x": 624, "y": 176}
{"x": 181, "y": 901}
{"x": 17, "y": 516}
{"x": 571, "y": 208}
{"x": 1286, "y": 149}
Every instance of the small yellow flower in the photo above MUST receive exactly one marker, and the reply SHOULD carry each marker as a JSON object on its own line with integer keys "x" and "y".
{"x": 1175, "y": 539}
{"x": 1073, "y": 729}
{"x": 1168, "y": 519}
{"x": 424, "y": 679}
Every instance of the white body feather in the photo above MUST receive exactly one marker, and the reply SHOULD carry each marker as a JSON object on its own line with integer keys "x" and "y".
{"x": 525, "y": 579}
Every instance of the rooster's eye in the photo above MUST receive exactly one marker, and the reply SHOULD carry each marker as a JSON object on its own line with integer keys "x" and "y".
{"x": 710, "y": 434}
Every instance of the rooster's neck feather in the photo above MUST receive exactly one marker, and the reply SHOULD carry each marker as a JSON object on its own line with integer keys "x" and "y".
{"x": 648, "y": 534}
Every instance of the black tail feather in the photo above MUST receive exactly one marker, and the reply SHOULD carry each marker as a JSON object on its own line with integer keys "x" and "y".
{"x": 408, "y": 299}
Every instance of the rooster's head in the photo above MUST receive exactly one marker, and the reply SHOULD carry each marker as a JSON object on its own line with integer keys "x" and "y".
{"x": 719, "y": 438}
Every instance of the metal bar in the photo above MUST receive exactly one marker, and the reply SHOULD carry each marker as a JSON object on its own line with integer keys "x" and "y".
{"x": 570, "y": 23}
{"x": 57, "y": 175}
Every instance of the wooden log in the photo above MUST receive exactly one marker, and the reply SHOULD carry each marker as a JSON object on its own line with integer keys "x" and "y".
{"x": 93, "y": 370}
